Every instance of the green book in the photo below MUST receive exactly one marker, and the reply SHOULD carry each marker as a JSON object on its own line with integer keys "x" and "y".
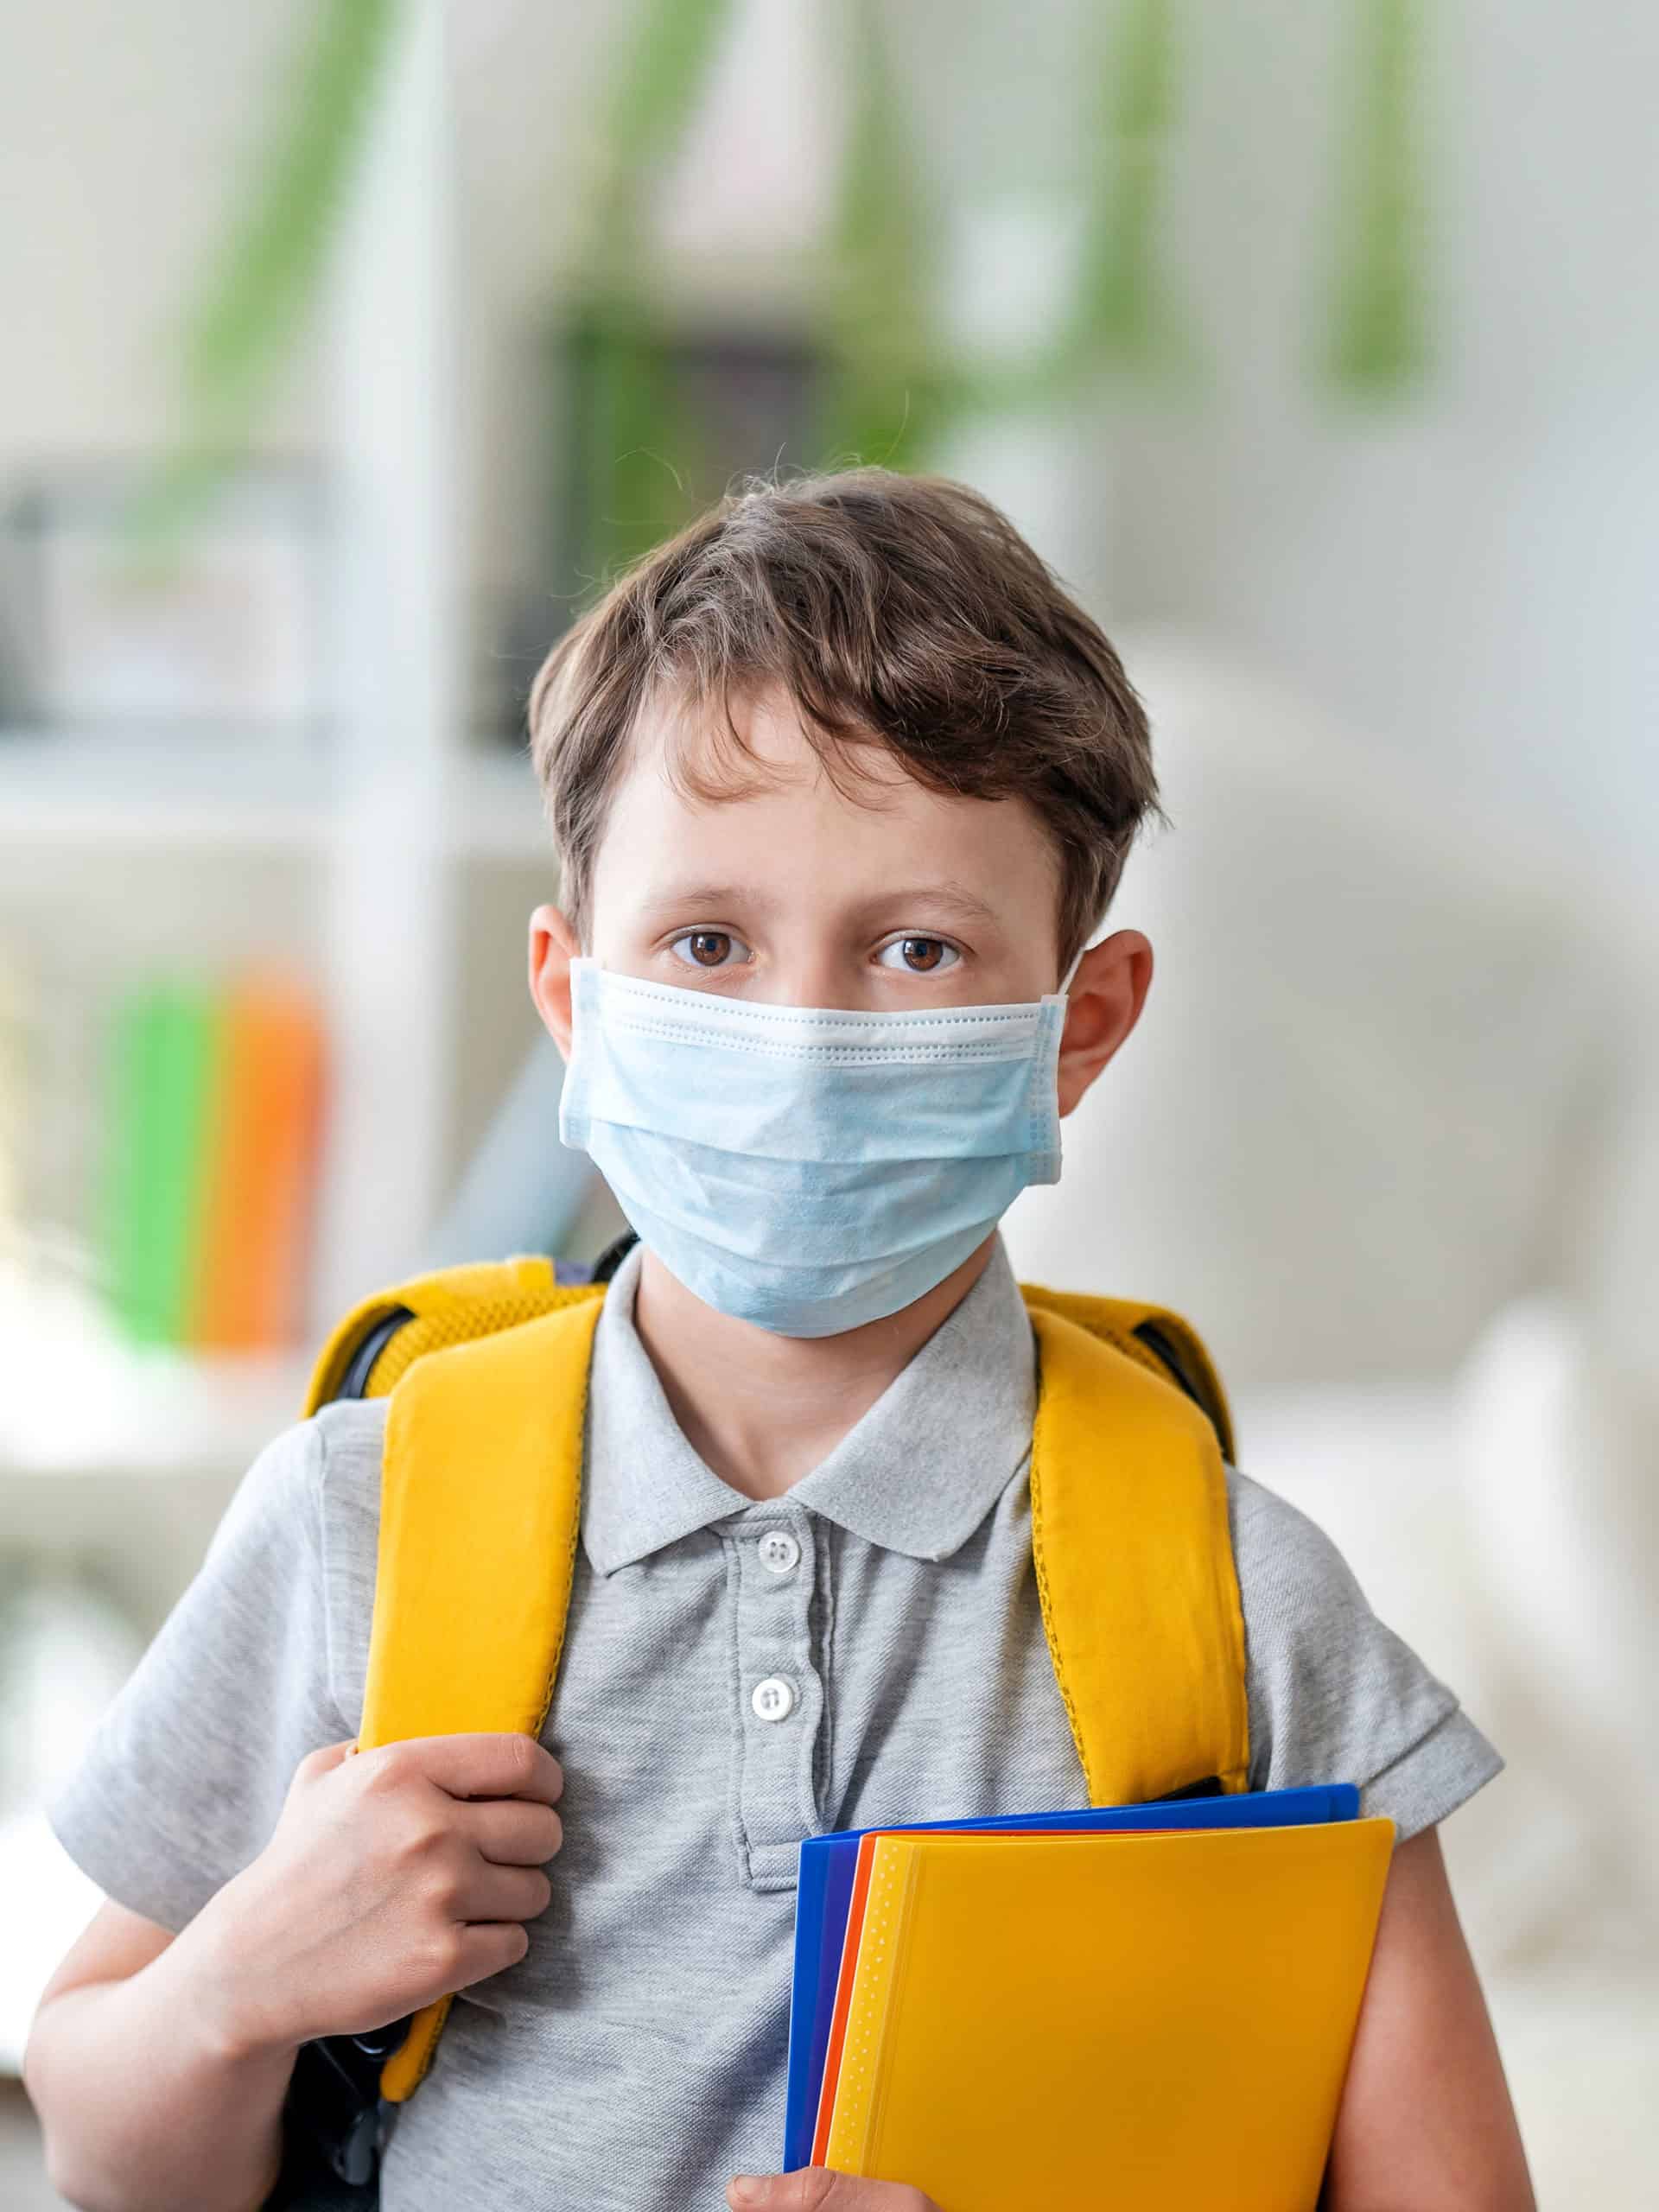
{"x": 163, "y": 1054}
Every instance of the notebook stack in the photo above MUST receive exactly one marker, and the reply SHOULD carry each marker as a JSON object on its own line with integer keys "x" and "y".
{"x": 1129, "y": 2006}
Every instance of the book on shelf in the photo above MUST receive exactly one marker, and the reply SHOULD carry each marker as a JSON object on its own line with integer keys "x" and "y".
{"x": 215, "y": 1123}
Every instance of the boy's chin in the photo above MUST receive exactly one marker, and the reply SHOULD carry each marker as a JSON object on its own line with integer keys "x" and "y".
{"x": 834, "y": 1316}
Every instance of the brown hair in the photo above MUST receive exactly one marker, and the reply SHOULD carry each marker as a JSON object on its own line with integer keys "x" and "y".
{"x": 905, "y": 610}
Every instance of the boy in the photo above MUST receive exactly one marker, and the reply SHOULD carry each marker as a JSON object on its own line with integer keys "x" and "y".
{"x": 842, "y": 783}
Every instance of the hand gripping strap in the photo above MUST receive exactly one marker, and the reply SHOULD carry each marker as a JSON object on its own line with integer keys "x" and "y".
{"x": 1135, "y": 1571}
{"x": 482, "y": 1472}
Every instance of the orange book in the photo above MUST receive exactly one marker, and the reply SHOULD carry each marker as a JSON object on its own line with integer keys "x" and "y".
{"x": 264, "y": 1124}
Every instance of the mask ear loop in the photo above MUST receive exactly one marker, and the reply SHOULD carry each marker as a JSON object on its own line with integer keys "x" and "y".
{"x": 1065, "y": 984}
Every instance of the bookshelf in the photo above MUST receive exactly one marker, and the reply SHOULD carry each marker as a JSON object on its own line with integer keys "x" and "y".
{"x": 390, "y": 860}
{"x": 364, "y": 843}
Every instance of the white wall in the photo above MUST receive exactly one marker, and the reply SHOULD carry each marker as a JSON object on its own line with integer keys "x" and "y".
{"x": 1470, "y": 578}
{"x": 122, "y": 132}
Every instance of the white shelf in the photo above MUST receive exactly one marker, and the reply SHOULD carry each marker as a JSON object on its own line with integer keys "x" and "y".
{"x": 239, "y": 790}
{"x": 243, "y": 788}
{"x": 183, "y": 1418}
{"x": 168, "y": 1414}
{"x": 80, "y": 1401}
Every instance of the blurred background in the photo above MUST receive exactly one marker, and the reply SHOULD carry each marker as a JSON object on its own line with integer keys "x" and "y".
{"x": 353, "y": 343}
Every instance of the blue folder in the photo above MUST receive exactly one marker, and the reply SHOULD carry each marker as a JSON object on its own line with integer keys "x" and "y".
{"x": 824, "y": 1895}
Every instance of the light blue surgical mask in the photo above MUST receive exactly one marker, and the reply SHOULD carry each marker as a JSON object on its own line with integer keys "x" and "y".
{"x": 802, "y": 1167}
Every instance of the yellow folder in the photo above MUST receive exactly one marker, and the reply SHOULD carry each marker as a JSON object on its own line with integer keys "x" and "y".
{"x": 1145, "y": 2023}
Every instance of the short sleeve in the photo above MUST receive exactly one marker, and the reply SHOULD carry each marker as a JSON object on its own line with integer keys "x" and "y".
{"x": 1334, "y": 1695}
{"x": 185, "y": 1774}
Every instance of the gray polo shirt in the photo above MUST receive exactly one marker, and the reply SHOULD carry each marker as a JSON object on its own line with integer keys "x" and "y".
{"x": 737, "y": 1674}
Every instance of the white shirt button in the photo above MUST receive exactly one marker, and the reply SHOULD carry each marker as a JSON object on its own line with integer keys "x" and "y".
{"x": 774, "y": 1699}
{"x": 779, "y": 1551}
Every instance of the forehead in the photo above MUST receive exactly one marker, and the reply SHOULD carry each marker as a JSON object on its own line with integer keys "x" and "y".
{"x": 767, "y": 804}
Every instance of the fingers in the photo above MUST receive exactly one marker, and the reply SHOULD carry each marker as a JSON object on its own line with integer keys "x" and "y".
{"x": 486, "y": 1892}
{"x": 820, "y": 2188}
{"x": 506, "y": 1764}
{"x": 481, "y": 1949}
{"x": 512, "y": 1831}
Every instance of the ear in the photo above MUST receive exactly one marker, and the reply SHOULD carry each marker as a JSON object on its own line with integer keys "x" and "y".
{"x": 1106, "y": 995}
{"x": 553, "y": 946}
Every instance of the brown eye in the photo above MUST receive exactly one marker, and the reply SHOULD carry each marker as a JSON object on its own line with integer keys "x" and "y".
{"x": 708, "y": 948}
{"x": 919, "y": 956}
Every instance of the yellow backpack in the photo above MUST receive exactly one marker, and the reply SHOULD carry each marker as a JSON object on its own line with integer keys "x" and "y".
{"x": 487, "y": 1369}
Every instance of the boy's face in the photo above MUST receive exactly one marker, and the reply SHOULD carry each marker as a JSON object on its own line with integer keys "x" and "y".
{"x": 890, "y": 897}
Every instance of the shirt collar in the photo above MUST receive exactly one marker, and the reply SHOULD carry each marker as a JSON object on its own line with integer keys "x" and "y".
{"x": 917, "y": 1474}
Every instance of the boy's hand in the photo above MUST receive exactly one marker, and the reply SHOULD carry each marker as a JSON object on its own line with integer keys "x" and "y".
{"x": 393, "y": 1877}
{"x": 820, "y": 2188}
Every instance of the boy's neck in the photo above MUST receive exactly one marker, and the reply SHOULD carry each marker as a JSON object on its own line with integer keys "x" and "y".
{"x": 762, "y": 1410}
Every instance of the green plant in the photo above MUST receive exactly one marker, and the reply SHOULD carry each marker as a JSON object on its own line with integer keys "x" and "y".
{"x": 1378, "y": 339}
{"x": 265, "y": 274}
{"x": 889, "y": 389}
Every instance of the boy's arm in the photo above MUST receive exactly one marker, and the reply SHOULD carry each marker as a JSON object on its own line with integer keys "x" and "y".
{"x": 398, "y": 1874}
{"x": 1425, "y": 2123}
{"x": 146, "y": 2094}
{"x": 141, "y": 2101}
{"x": 309, "y": 1893}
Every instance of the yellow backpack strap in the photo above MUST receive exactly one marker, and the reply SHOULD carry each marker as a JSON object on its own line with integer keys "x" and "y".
{"x": 1135, "y": 1565}
{"x": 481, "y": 1474}
{"x": 1163, "y": 1342}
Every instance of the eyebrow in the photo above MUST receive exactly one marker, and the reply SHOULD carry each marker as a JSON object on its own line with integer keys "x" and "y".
{"x": 712, "y": 898}
{"x": 945, "y": 896}
{"x": 950, "y": 897}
